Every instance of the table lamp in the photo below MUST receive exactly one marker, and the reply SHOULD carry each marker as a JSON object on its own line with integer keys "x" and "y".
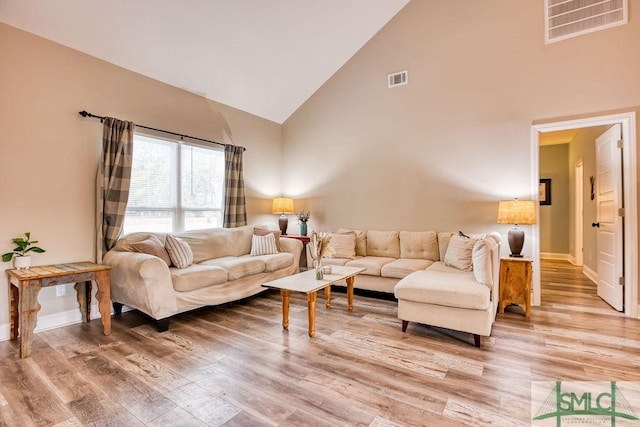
{"x": 516, "y": 212}
{"x": 283, "y": 206}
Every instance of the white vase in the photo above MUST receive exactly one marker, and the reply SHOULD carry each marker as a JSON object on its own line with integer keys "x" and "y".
{"x": 22, "y": 262}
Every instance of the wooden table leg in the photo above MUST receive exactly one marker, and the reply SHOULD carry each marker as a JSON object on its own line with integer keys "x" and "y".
{"x": 350, "y": 281}
{"x": 14, "y": 297}
{"x": 29, "y": 308}
{"x": 103, "y": 295}
{"x": 83, "y": 295}
{"x": 285, "y": 308}
{"x": 311, "y": 305}
{"x": 327, "y": 296}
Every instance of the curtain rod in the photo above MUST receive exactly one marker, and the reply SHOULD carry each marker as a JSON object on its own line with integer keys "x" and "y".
{"x": 84, "y": 113}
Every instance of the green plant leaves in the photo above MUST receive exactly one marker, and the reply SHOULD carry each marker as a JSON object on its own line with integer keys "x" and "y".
{"x": 23, "y": 246}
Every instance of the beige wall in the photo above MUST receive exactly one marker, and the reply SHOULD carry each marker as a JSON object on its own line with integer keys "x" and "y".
{"x": 49, "y": 153}
{"x": 554, "y": 218}
{"x": 440, "y": 152}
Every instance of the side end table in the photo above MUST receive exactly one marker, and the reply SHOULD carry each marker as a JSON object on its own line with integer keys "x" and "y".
{"x": 24, "y": 286}
{"x": 515, "y": 283}
{"x": 304, "y": 240}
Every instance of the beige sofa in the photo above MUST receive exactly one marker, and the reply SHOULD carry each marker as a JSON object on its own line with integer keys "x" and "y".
{"x": 427, "y": 277}
{"x": 222, "y": 271}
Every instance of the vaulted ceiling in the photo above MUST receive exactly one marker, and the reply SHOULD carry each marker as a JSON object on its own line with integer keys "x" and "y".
{"x": 266, "y": 57}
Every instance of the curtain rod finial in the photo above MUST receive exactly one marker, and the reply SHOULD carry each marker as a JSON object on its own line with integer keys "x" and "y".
{"x": 83, "y": 113}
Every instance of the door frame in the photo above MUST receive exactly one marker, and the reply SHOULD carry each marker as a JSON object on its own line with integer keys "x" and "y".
{"x": 579, "y": 212}
{"x": 629, "y": 178}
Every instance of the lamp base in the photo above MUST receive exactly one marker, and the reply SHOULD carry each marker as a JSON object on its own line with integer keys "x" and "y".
{"x": 516, "y": 241}
{"x": 283, "y": 223}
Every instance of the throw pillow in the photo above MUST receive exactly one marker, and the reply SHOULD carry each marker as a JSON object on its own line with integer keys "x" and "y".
{"x": 361, "y": 240}
{"x": 152, "y": 246}
{"x": 481, "y": 259}
{"x": 276, "y": 234}
{"x": 459, "y": 253}
{"x": 263, "y": 245}
{"x": 344, "y": 245}
{"x": 179, "y": 251}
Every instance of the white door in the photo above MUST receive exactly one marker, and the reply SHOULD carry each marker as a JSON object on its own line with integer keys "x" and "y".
{"x": 609, "y": 223}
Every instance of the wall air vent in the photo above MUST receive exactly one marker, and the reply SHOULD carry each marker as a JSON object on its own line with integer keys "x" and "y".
{"x": 398, "y": 79}
{"x": 571, "y": 18}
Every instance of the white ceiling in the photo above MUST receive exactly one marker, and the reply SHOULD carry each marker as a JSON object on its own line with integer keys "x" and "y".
{"x": 265, "y": 57}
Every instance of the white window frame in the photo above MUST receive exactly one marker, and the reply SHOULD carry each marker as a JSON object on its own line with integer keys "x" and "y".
{"x": 178, "y": 210}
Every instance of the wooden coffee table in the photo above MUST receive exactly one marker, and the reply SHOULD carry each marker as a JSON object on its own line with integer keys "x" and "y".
{"x": 306, "y": 282}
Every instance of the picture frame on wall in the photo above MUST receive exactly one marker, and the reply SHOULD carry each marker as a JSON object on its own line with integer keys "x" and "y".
{"x": 544, "y": 191}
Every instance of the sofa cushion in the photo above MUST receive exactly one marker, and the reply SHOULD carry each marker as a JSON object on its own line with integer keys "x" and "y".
{"x": 344, "y": 245}
{"x": 218, "y": 242}
{"x": 372, "y": 264}
{"x": 152, "y": 246}
{"x": 335, "y": 261}
{"x": 275, "y": 262}
{"x": 197, "y": 276}
{"x": 403, "y": 267}
{"x": 419, "y": 245}
{"x": 179, "y": 251}
{"x": 459, "y": 253}
{"x": 443, "y": 242}
{"x": 383, "y": 244}
{"x": 481, "y": 260}
{"x": 238, "y": 267}
{"x": 263, "y": 232}
{"x": 361, "y": 240}
{"x": 263, "y": 245}
{"x": 444, "y": 286}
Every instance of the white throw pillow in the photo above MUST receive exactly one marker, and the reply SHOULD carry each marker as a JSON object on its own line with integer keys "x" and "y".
{"x": 481, "y": 257}
{"x": 344, "y": 245}
{"x": 179, "y": 251}
{"x": 276, "y": 233}
{"x": 263, "y": 245}
{"x": 459, "y": 253}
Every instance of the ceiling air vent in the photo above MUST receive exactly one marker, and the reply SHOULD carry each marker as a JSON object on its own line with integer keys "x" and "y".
{"x": 571, "y": 18}
{"x": 398, "y": 79}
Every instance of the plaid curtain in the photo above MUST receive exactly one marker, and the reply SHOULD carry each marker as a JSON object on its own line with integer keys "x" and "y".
{"x": 113, "y": 181}
{"x": 235, "y": 209}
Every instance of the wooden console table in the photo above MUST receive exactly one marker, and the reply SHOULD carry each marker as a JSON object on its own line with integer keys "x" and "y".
{"x": 24, "y": 286}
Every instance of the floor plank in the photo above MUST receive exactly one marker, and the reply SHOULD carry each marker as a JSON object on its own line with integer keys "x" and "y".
{"x": 234, "y": 365}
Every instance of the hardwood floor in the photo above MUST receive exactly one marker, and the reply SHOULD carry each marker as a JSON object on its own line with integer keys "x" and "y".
{"x": 235, "y": 366}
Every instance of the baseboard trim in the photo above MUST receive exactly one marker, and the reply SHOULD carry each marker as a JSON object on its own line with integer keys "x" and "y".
{"x": 557, "y": 257}
{"x": 592, "y": 275}
{"x": 57, "y": 320}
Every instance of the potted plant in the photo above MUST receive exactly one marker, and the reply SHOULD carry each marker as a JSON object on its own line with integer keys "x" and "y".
{"x": 24, "y": 245}
{"x": 303, "y": 217}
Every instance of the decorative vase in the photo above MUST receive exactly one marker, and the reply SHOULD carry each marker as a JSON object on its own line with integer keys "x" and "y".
{"x": 22, "y": 262}
{"x": 319, "y": 272}
{"x": 303, "y": 228}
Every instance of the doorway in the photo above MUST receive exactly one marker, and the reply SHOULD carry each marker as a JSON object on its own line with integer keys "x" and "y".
{"x": 628, "y": 126}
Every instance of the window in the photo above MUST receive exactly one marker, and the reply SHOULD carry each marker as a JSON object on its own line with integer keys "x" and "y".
{"x": 175, "y": 186}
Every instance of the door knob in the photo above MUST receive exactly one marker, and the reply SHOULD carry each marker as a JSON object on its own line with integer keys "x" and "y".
{"x": 595, "y": 224}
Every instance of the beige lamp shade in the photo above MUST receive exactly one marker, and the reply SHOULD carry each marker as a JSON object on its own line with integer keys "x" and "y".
{"x": 517, "y": 212}
{"x": 282, "y": 205}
